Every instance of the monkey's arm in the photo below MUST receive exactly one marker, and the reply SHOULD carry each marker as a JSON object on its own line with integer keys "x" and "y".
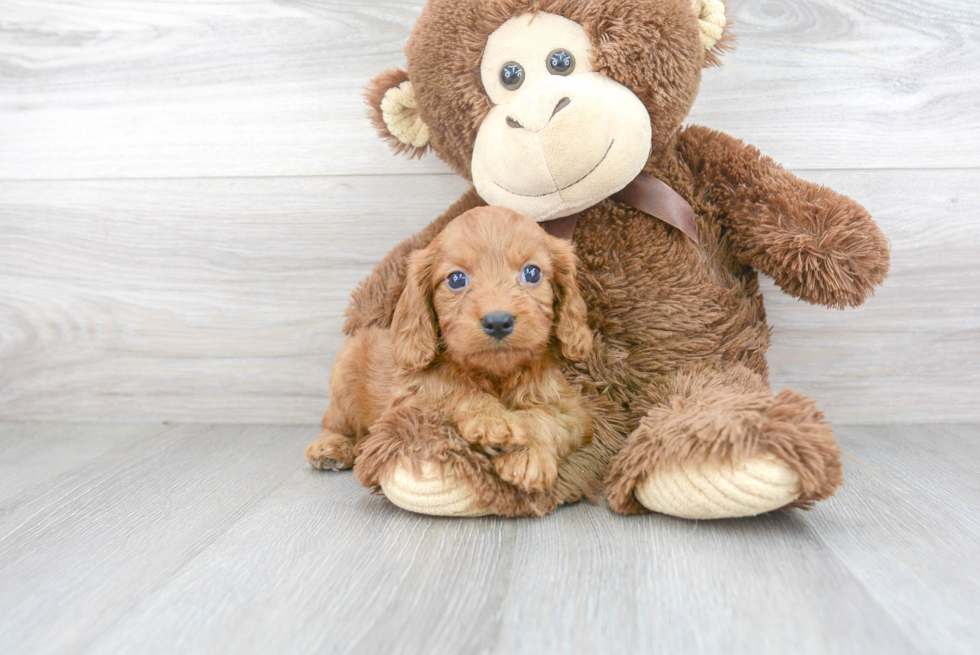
{"x": 818, "y": 245}
{"x": 373, "y": 301}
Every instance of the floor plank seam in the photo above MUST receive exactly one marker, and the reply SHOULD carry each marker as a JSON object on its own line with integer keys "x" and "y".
{"x": 120, "y": 466}
{"x": 446, "y": 174}
{"x": 896, "y": 621}
{"x": 159, "y": 582}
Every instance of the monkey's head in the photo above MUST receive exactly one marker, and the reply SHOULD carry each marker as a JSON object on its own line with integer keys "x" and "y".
{"x": 548, "y": 106}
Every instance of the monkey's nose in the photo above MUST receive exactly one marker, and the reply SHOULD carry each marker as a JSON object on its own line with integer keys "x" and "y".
{"x": 564, "y": 102}
{"x": 498, "y": 324}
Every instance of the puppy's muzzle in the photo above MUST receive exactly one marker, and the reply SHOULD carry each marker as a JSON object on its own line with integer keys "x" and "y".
{"x": 498, "y": 324}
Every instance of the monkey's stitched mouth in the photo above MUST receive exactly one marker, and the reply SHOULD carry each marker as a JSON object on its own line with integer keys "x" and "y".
{"x": 567, "y": 186}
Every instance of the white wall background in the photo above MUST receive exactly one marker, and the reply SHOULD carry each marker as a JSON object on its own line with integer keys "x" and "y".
{"x": 189, "y": 191}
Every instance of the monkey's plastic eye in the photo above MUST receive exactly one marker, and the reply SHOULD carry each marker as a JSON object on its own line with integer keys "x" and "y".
{"x": 531, "y": 274}
{"x": 512, "y": 75}
{"x": 560, "y": 62}
{"x": 457, "y": 280}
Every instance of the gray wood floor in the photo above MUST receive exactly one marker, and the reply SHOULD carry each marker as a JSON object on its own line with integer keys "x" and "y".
{"x": 201, "y": 538}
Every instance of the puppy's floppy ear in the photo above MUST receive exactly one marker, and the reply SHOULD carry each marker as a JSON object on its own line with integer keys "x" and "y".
{"x": 572, "y": 328}
{"x": 392, "y": 108}
{"x": 414, "y": 334}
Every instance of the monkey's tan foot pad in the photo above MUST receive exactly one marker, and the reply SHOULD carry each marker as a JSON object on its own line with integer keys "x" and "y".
{"x": 431, "y": 492}
{"x": 718, "y": 490}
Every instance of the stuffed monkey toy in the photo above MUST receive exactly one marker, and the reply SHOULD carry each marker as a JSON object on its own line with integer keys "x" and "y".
{"x": 571, "y": 111}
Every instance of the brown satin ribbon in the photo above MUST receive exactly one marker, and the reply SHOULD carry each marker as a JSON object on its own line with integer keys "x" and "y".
{"x": 649, "y": 195}
{"x": 560, "y": 227}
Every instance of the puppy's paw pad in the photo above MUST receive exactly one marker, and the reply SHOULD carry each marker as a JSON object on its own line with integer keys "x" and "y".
{"x": 527, "y": 469}
{"x": 332, "y": 455}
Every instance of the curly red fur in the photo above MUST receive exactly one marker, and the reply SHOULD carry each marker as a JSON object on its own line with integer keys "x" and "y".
{"x": 505, "y": 396}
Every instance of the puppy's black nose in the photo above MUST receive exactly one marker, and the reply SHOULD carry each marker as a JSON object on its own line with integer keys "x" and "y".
{"x": 498, "y": 324}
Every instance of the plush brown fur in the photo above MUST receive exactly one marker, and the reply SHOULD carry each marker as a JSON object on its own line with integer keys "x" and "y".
{"x": 373, "y": 95}
{"x": 650, "y": 46}
{"x": 437, "y": 366}
{"x": 678, "y": 370}
{"x": 728, "y": 414}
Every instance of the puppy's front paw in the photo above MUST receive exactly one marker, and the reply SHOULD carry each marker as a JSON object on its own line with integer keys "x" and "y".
{"x": 527, "y": 468}
{"x": 494, "y": 431}
{"x": 331, "y": 451}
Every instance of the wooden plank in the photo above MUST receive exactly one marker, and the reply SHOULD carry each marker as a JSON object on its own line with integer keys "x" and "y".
{"x": 221, "y": 300}
{"x": 33, "y": 456}
{"x": 219, "y": 538}
{"x": 764, "y": 585}
{"x": 321, "y": 566}
{"x": 341, "y": 571}
{"x": 888, "y": 360}
{"x": 186, "y": 299}
{"x": 850, "y": 84}
{"x": 78, "y": 554}
{"x": 907, "y": 525}
{"x": 155, "y": 89}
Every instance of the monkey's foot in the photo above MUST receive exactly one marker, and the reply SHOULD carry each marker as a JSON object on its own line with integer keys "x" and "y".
{"x": 718, "y": 489}
{"x": 423, "y": 465}
{"x": 430, "y": 491}
{"x": 724, "y": 447}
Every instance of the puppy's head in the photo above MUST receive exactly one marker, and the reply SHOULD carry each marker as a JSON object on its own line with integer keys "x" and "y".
{"x": 497, "y": 288}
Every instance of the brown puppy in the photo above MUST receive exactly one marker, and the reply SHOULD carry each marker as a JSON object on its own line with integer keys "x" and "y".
{"x": 475, "y": 337}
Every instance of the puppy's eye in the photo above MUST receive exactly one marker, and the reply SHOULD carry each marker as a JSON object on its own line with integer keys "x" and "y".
{"x": 512, "y": 75}
{"x": 457, "y": 280}
{"x": 560, "y": 62}
{"x": 531, "y": 274}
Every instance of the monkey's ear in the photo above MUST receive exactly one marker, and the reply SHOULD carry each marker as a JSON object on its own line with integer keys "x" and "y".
{"x": 393, "y": 110}
{"x": 715, "y": 36}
